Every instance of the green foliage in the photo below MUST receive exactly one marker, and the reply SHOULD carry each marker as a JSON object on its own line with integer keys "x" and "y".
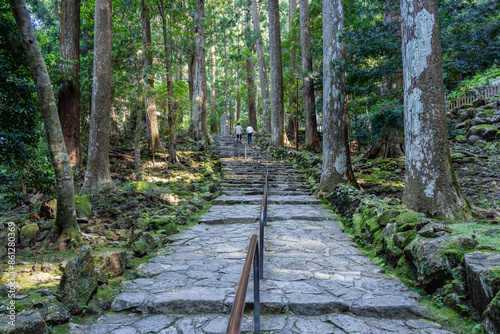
{"x": 475, "y": 84}
{"x": 24, "y": 162}
{"x": 470, "y": 36}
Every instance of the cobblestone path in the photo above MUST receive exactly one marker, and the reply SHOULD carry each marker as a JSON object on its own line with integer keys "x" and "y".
{"x": 315, "y": 279}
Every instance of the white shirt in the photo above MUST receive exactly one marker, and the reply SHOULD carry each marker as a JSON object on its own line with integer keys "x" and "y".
{"x": 238, "y": 129}
{"x": 249, "y": 129}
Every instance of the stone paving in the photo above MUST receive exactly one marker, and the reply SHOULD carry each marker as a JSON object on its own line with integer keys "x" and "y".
{"x": 315, "y": 279}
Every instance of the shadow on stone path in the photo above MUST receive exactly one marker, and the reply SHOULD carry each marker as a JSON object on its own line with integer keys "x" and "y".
{"x": 315, "y": 279}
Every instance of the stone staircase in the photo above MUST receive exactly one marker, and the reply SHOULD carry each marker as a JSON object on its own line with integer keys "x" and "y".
{"x": 315, "y": 279}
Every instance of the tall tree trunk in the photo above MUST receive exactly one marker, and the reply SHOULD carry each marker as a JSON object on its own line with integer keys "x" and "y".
{"x": 392, "y": 84}
{"x": 278, "y": 134}
{"x": 65, "y": 225}
{"x": 312, "y": 138}
{"x": 172, "y": 141}
{"x": 69, "y": 96}
{"x": 336, "y": 153}
{"x": 199, "y": 126}
{"x": 264, "y": 87}
{"x": 429, "y": 183}
{"x": 226, "y": 83}
{"x": 292, "y": 102}
{"x": 238, "y": 80}
{"x": 138, "y": 128}
{"x": 212, "y": 86}
{"x": 149, "y": 81}
{"x": 98, "y": 157}
{"x": 251, "y": 89}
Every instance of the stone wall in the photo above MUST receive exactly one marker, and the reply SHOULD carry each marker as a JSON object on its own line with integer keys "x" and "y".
{"x": 476, "y": 122}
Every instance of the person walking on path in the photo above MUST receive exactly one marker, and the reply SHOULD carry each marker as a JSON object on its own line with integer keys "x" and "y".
{"x": 249, "y": 133}
{"x": 238, "y": 130}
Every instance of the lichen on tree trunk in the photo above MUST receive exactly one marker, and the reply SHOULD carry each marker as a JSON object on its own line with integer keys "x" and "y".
{"x": 199, "y": 127}
{"x": 429, "y": 184}
{"x": 336, "y": 153}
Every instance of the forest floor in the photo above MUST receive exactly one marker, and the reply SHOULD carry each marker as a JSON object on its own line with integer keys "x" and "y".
{"x": 181, "y": 193}
{"x": 477, "y": 169}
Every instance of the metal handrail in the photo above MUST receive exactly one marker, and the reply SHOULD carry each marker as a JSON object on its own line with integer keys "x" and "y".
{"x": 239, "y": 301}
{"x": 256, "y": 254}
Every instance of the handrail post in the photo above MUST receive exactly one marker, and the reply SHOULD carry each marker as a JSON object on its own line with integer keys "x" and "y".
{"x": 257, "y": 275}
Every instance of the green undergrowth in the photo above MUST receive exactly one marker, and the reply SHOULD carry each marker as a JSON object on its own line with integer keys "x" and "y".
{"x": 168, "y": 199}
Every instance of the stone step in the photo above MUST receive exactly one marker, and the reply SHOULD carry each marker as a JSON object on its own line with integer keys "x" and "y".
{"x": 249, "y": 213}
{"x": 217, "y": 324}
{"x": 311, "y": 268}
{"x": 257, "y": 199}
{"x": 254, "y": 191}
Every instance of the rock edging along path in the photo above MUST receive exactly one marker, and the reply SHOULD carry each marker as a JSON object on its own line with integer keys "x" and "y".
{"x": 315, "y": 279}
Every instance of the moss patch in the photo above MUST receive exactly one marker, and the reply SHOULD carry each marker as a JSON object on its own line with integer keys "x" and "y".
{"x": 82, "y": 206}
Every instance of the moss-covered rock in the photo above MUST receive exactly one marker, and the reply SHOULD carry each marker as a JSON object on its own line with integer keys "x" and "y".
{"x": 28, "y": 322}
{"x": 485, "y": 131}
{"x": 392, "y": 252}
{"x": 425, "y": 256}
{"x": 434, "y": 230}
{"x": 83, "y": 207}
{"x": 29, "y": 234}
{"x": 142, "y": 243}
{"x": 48, "y": 209}
{"x": 112, "y": 263}
{"x": 78, "y": 282}
{"x": 483, "y": 275}
{"x": 388, "y": 215}
{"x": 144, "y": 186}
{"x": 492, "y": 315}
{"x": 403, "y": 239}
{"x": 408, "y": 220}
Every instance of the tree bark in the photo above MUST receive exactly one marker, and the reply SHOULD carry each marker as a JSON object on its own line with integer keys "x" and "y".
{"x": 149, "y": 81}
{"x": 226, "y": 83}
{"x": 199, "y": 126}
{"x": 278, "y": 134}
{"x": 212, "y": 86}
{"x": 172, "y": 140}
{"x": 66, "y": 226}
{"x": 264, "y": 86}
{"x": 312, "y": 139}
{"x": 238, "y": 81}
{"x": 251, "y": 89}
{"x": 68, "y": 103}
{"x": 430, "y": 185}
{"x": 336, "y": 154}
{"x": 293, "y": 101}
{"x": 98, "y": 172}
{"x": 138, "y": 129}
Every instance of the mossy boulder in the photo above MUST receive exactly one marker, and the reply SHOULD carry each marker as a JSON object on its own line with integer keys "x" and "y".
{"x": 392, "y": 252}
{"x": 483, "y": 275}
{"x": 29, "y": 234}
{"x": 78, "y": 282}
{"x": 27, "y": 322}
{"x": 55, "y": 314}
{"x": 425, "y": 256}
{"x": 142, "y": 243}
{"x": 434, "y": 230}
{"x": 83, "y": 207}
{"x": 170, "y": 228}
{"x": 48, "y": 209}
{"x": 408, "y": 220}
{"x": 388, "y": 215}
{"x": 403, "y": 239}
{"x": 144, "y": 186}
{"x": 112, "y": 263}
{"x": 484, "y": 131}
{"x": 492, "y": 315}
